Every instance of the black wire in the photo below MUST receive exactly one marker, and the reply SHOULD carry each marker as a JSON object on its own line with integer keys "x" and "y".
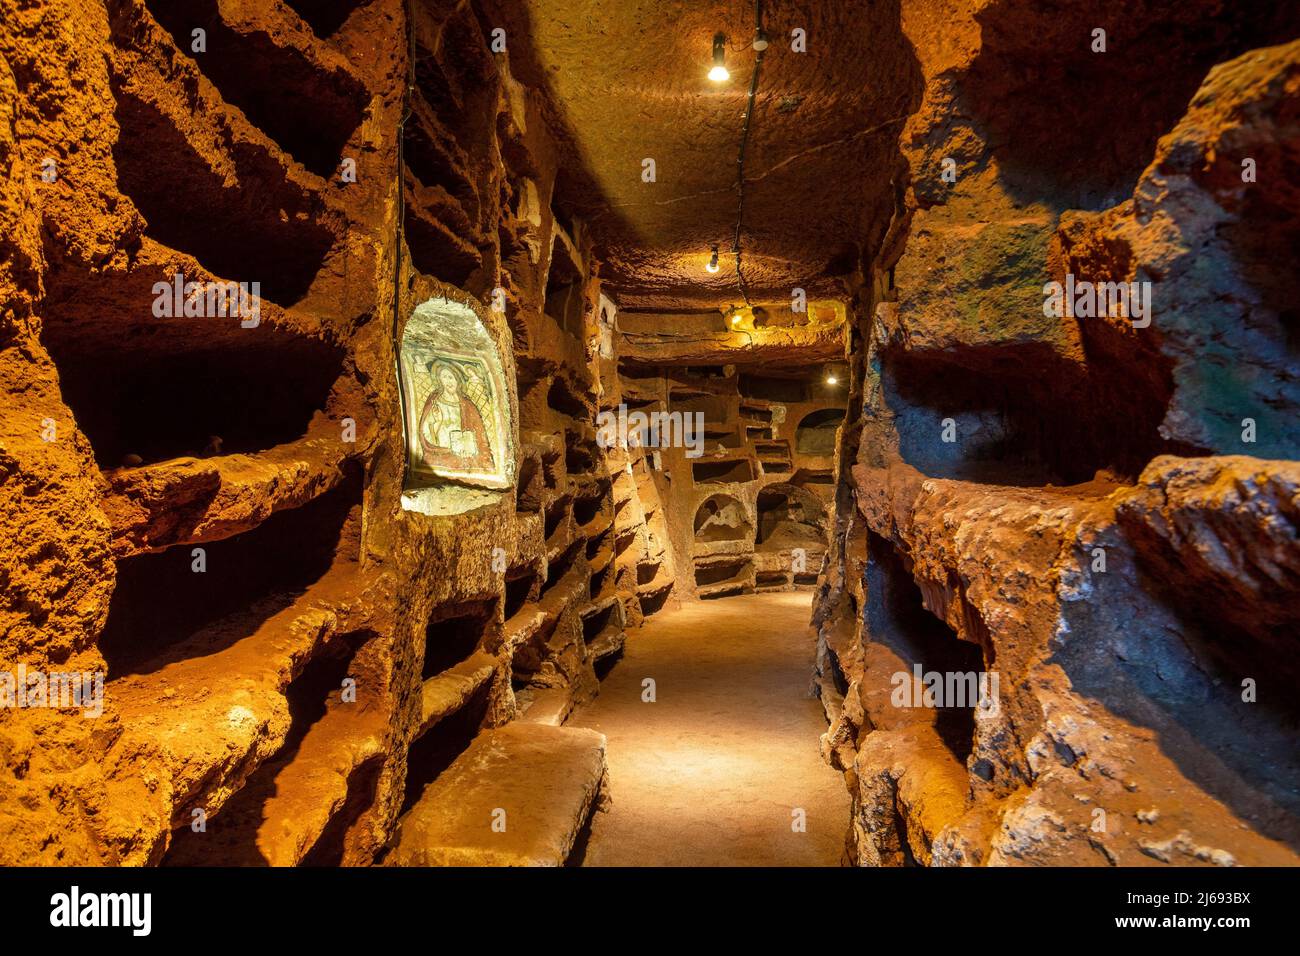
{"x": 744, "y": 143}
{"x": 399, "y": 228}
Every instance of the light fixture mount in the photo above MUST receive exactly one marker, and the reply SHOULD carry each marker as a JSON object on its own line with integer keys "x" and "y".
{"x": 719, "y": 72}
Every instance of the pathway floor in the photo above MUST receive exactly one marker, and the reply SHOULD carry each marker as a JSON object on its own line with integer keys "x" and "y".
{"x": 711, "y": 772}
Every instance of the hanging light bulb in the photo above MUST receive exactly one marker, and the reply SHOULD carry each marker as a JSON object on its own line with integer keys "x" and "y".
{"x": 831, "y": 377}
{"x": 719, "y": 73}
{"x": 713, "y": 261}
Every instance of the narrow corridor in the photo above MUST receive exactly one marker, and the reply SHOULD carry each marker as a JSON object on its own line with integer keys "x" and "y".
{"x": 712, "y": 771}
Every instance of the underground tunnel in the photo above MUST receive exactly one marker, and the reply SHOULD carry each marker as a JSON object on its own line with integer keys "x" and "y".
{"x": 970, "y": 361}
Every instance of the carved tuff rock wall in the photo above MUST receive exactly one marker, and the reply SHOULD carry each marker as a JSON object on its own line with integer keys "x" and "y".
{"x": 269, "y": 453}
{"x": 1099, "y": 511}
{"x": 346, "y": 561}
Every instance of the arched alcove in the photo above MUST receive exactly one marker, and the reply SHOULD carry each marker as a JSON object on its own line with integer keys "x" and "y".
{"x": 722, "y": 518}
{"x": 789, "y": 517}
{"x": 607, "y": 314}
{"x": 459, "y": 435}
{"x": 816, "y": 432}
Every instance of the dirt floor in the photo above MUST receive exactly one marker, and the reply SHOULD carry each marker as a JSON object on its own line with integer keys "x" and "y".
{"x": 711, "y": 772}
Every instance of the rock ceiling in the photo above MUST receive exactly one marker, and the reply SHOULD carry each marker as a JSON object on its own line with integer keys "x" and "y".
{"x": 627, "y": 81}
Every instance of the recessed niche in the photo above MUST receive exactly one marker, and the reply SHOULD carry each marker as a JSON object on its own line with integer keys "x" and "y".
{"x": 272, "y": 235}
{"x": 455, "y": 632}
{"x": 459, "y": 78}
{"x": 435, "y": 233}
{"x": 785, "y": 390}
{"x": 310, "y": 110}
{"x": 142, "y": 397}
{"x": 332, "y": 845}
{"x": 897, "y": 617}
{"x": 722, "y": 518}
{"x": 159, "y": 600}
{"x": 602, "y": 668}
{"x": 593, "y": 624}
{"x": 984, "y": 422}
{"x": 768, "y": 450}
{"x": 816, "y": 433}
{"x": 435, "y": 160}
{"x": 560, "y": 397}
{"x": 597, "y": 543}
{"x": 789, "y": 517}
{"x": 528, "y": 495}
{"x": 813, "y": 476}
{"x": 581, "y": 453}
{"x": 599, "y": 579}
{"x": 565, "y": 302}
{"x": 552, "y": 472}
{"x": 722, "y": 472}
{"x": 233, "y": 837}
{"x": 561, "y": 566}
{"x": 555, "y": 515}
{"x": 838, "y": 680}
{"x": 717, "y": 578}
{"x": 519, "y": 591}
{"x": 714, "y": 574}
{"x": 680, "y": 393}
{"x": 586, "y": 509}
{"x": 653, "y": 603}
{"x": 439, "y": 746}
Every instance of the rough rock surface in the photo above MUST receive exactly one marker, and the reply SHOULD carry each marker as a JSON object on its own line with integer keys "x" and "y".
{"x": 517, "y": 797}
{"x": 1208, "y": 241}
{"x": 297, "y": 647}
{"x": 1106, "y": 702}
{"x": 1028, "y": 499}
{"x": 283, "y": 704}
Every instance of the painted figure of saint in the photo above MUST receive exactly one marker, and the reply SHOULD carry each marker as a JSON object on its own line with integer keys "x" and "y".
{"x": 452, "y": 433}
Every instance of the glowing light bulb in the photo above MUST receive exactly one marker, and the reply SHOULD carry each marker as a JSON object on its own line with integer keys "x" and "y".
{"x": 831, "y": 380}
{"x": 735, "y": 320}
{"x": 719, "y": 73}
{"x": 713, "y": 261}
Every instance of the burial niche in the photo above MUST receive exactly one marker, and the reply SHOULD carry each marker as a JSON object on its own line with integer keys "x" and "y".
{"x": 459, "y": 435}
{"x": 817, "y": 431}
{"x": 789, "y": 517}
{"x": 722, "y": 518}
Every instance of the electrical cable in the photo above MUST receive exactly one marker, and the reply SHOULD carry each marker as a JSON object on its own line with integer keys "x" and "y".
{"x": 399, "y": 227}
{"x": 744, "y": 144}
